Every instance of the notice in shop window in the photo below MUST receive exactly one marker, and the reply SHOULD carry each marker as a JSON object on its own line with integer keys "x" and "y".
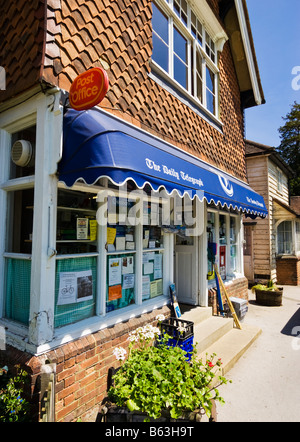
{"x": 115, "y": 271}
{"x": 82, "y": 228}
{"x": 148, "y": 268}
{"x": 111, "y": 235}
{"x": 93, "y": 230}
{"x": 146, "y": 287}
{"x": 114, "y": 292}
{"x": 128, "y": 281}
{"x": 127, "y": 265}
{"x": 157, "y": 266}
{"x": 75, "y": 287}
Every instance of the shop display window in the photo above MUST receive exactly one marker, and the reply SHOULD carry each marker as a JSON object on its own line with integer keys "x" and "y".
{"x": 76, "y": 222}
{"x": 112, "y": 261}
{"x": 120, "y": 283}
{"x": 152, "y": 284}
{"x": 153, "y": 243}
{"x": 17, "y": 300}
{"x": 121, "y": 267}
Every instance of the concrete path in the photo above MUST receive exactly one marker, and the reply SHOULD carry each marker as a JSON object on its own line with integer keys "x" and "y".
{"x": 266, "y": 380}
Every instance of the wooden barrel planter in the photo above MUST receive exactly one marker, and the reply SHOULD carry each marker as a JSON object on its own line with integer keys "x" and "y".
{"x": 269, "y": 297}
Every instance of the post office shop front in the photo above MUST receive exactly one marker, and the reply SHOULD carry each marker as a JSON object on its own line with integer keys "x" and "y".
{"x": 129, "y": 215}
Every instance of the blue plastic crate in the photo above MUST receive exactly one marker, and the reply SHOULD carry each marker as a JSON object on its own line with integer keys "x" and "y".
{"x": 184, "y": 344}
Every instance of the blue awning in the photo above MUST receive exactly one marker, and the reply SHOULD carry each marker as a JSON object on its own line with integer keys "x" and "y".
{"x": 97, "y": 144}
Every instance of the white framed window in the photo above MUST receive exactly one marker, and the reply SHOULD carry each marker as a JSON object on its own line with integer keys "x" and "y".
{"x": 285, "y": 238}
{"x": 184, "y": 52}
{"x": 288, "y": 237}
{"x": 125, "y": 255}
{"x": 279, "y": 180}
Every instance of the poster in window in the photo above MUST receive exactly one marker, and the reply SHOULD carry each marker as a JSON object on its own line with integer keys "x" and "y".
{"x": 75, "y": 287}
{"x": 158, "y": 266}
{"x": 127, "y": 265}
{"x": 82, "y": 227}
{"x": 146, "y": 287}
{"x": 93, "y": 230}
{"x": 223, "y": 261}
{"x": 115, "y": 271}
{"x": 114, "y": 292}
{"x": 128, "y": 281}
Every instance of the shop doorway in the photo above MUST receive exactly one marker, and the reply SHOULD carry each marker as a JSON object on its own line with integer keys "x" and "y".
{"x": 186, "y": 269}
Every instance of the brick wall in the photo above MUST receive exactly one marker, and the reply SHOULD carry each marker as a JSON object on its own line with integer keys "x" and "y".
{"x": 288, "y": 270}
{"x": 81, "y": 369}
{"x": 237, "y": 288}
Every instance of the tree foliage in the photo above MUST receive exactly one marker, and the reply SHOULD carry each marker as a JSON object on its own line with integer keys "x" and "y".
{"x": 289, "y": 148}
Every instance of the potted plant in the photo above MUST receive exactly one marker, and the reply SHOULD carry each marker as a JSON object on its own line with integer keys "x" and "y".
{"x": 157, "y": 382}
{"x": 269, "y": 295}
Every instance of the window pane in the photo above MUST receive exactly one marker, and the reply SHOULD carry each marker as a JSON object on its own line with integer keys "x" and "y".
{"x": 233, "y": 244}
{"x": 78, "y": 277}
{"x": 180, "y": 58}
{"x": 284, "y": 237}
{"x": 160, "y": 53}
{"x": 180, "y": 45}
{"x": 222, "y": 230}
{"x": 196, "y": 28}
{"x": 180, "y": 72}
{"x": 28, "y": 167}
{"x": 21, "y": 224}
{"x": 210, "y": 80}
{"x": 180, "y": 7}
{"x": 160, "y": 23}
{"x": 17, "y": 301}
{"x": 160, "y": 36}
{"x": 210, "y": 91}
{"x": 210, "y": 102}
{"x": 199, "y": 76}
{"x": 120, "y": 287}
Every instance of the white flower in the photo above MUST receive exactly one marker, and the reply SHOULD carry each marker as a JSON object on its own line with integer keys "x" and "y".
{"x": 181, "y": 328}
{"x": 160, "y": 318}
{"x": 133, "y": 337}
{"x": 120, "y": 353}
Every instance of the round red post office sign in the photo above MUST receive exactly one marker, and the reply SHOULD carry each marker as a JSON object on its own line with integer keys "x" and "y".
{"x": 88, "y": 89}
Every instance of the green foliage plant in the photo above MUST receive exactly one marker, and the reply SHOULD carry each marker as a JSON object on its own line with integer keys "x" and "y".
{"x": 13, "y": 406}
{"x": 159, "y": 377}
{"x": 270, "y": 287}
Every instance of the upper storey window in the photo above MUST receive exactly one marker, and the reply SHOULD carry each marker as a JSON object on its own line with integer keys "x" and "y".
{"x": 184, "y": 53}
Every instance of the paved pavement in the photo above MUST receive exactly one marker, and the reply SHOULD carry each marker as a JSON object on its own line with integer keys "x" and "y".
{"x": 266, "y": 380}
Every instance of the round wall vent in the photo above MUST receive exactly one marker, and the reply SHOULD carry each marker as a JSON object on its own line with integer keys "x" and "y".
{"x": 22, "y": 153}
